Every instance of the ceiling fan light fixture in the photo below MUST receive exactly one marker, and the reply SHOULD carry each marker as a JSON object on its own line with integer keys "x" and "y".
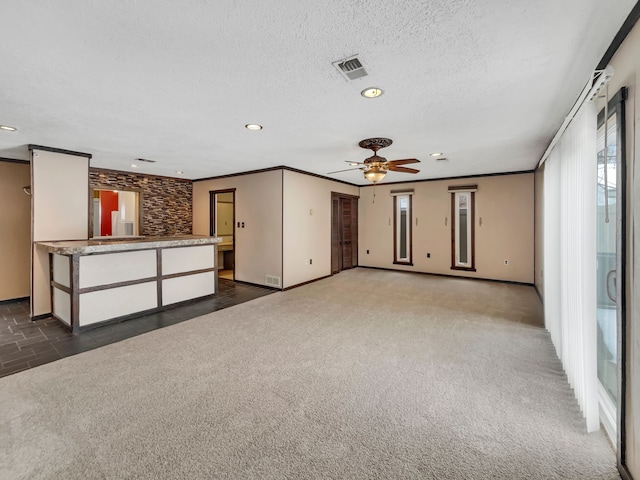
{"x": 253, "y": 126}
{"x": 375, "y": 174}
{"x": 371, "y": 92}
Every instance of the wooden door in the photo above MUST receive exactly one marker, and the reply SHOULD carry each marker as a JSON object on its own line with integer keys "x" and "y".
{"x": 344, "y": 232}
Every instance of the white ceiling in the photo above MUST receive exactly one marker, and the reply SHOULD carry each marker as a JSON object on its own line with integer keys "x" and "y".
{"x": 487, "y": 82}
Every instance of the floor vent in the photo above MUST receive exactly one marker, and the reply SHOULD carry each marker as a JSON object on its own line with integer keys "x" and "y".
{"x": 273, "y": 281}
{"x": 351, "y": 68}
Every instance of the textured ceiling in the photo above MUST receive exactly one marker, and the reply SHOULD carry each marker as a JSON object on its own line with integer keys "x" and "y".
{"x": 486, "y": 82}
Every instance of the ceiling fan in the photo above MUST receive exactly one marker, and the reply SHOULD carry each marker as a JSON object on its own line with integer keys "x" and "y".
{"x": 376, "y": 167}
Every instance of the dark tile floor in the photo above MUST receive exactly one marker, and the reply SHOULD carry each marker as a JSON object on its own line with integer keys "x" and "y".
{"x": 25, "y": 344}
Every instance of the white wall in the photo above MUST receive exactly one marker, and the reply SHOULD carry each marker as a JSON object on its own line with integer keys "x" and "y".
{"x": 60, "y": 211}
{"x": 504, "y": 203}
{"x": 258, "y": 203}
{"x": 307, "y": 226}
{"x": 627, "y": 73}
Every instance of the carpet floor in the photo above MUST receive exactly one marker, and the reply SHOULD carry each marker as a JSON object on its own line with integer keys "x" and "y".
{"x": 364, "y": 375}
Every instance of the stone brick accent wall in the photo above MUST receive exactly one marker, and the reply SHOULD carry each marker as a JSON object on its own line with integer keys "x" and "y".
{"x": 167, "y": 203}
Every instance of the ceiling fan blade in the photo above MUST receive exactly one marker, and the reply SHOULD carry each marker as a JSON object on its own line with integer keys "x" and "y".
{"x": 345, "y": 170}
{"x": 393, "y": 168}
{"x": 403, "y": 161}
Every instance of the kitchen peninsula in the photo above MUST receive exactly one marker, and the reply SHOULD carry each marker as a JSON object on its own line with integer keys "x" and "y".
{"x": 94, "y": 282}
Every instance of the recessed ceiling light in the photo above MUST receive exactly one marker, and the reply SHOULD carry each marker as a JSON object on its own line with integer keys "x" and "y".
{"x": 253, "y": 126}
{"x": 179, "y": 172}
{"x": 371, "y": 92}
{"x": 436, "y": 154}
{"x": 133, "y": 165}
{"x": 8, "y": 128}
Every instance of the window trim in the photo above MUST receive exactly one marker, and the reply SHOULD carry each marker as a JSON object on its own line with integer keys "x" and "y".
{"x": 471, "y": 189}
{"x": 409, "y": 195}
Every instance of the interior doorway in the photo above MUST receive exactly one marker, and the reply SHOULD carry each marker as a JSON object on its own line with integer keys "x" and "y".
{"x": 344, "y": 232}
{"x": 222, "y": 221}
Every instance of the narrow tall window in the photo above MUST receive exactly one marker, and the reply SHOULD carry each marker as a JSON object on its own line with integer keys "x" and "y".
{"x": 462, "y": 228}
{"x": 402, "y": 229}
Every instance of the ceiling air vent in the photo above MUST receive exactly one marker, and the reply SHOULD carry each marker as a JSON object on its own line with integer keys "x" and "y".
{"x": 351, "y": 68}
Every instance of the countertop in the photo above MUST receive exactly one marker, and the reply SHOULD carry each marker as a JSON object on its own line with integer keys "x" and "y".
{"x": 102, "y": 245}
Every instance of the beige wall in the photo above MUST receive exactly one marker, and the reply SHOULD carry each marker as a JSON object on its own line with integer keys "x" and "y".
{"x": 504, "y": 203}
{"x": 15, "y": 228}
{"x": 539, "y": 231}
{"x": 258, "y": 202}
{"x": 60, "y": 188}
{"x": 627, "y": 73}
{"x": 307, "y": 226}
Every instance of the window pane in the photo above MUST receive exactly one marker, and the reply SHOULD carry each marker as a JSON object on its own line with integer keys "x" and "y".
{"x": 402, "y": 221}
{"x": 462, "y": 237}
{"x": 606, "y": 246}
{"x": 403, "y": 234}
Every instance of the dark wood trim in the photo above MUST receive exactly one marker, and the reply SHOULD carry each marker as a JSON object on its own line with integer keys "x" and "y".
{"x": 271, "y": 169}
{"x": 498, "y": 174}
{"x": 346, "y": 195}
{"x": 159, "y": 276}
{"x": 190, "y": 272}
{"x": 58, "y": 150}
{"x": 510, "y": 282}
{"x": 473, "y": 231}
{"x": 620, "y": 107}
{"x": 395, "y": 230}
{"x": 281, "y": 228}
{"x": 126, "y": 283}
{"x": 13, "y": 160}
{"x": 13, "y": 300}
{"x": 62, "y": 288}
{"x": 305, "y": 283}
{"x": 212, "y": 222}
{"x": 239, "y": 174}
{"x": 137, "y": 174}
{"x": 453, "y": 229}
{"x": 472, "y": 207}
{"x": 317, "y": 175}
{"x": 35, "y": 318}
{"x": 624, "y": 472}
{"x": 258, "y": 285}
{"x": 626, "y": 27}
{"x": 74, "y": 276}
{"x": 462, "y": 188}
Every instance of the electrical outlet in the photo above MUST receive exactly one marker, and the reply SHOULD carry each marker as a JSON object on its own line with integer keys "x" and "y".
{"x": 506, "y": 262}
{"x": 311, "y": 261}
{"x": 428, "y": 255}
{"x": 367, "y": 252}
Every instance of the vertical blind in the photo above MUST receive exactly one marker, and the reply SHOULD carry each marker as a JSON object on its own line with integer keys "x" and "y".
{"x": 569, "y": 258}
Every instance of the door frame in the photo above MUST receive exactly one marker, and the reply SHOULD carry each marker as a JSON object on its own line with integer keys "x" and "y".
{"x": 337, "y": 247}
{"x": 212, "y": 223}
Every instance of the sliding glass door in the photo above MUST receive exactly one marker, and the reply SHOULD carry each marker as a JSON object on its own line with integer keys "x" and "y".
{"x": 610, "y": 267}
